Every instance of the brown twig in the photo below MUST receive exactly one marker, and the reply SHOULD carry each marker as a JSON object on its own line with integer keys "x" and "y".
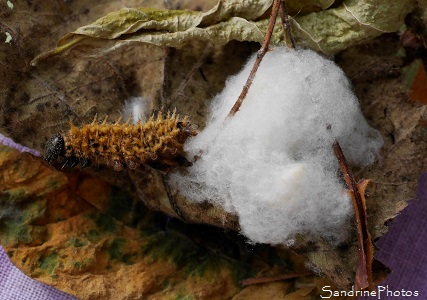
{"x": 365, "y": 249}
{"x": 289, "y": 38}
{"x": 364, "y": 264}
{"x": 260, "y": 55}
{"x": 172, "y": 200}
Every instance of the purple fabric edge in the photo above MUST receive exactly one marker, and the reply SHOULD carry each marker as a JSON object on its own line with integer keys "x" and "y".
{"x": 403, "y": 250}
{"x": 15, "y": 285}
{"x": 10, "y": 143}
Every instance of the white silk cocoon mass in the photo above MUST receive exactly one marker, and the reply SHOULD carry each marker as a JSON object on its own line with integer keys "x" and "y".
{"x": 272, "y": 163}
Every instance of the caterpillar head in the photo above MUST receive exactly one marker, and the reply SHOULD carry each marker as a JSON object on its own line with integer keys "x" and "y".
{"x": 54, "y": 148}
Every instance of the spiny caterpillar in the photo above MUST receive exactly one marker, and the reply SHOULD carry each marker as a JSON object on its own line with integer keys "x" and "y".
{"x": 157, "y": 143}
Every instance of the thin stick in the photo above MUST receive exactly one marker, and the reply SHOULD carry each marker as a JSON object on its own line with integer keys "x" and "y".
{"x": 260, "y": 55}
{"x": 290, "y": 42}
{"x": 364, "y": 264}
{"x": 172, "y": 200}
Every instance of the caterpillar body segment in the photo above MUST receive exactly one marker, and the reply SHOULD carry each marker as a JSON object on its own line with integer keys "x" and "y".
{"x": 157, "y": 143}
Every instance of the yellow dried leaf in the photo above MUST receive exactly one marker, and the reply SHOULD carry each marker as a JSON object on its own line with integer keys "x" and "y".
{"x": 329, "y": 30}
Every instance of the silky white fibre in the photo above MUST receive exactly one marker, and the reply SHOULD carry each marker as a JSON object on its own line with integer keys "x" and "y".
{"x": 136, "y": 108}
{"x": 272, "y": 163}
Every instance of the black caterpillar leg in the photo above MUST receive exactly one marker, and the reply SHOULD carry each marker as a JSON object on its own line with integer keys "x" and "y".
{"x": 70, "y": 162}
{"x": 86, "y": 162}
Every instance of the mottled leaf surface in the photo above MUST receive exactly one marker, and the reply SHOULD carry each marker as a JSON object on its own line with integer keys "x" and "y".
{"x": 327, "y": 30}
{"x": 98, "y": 241}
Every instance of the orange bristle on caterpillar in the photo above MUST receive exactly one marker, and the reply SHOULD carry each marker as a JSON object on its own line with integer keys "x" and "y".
{"x": 158, "y": 143}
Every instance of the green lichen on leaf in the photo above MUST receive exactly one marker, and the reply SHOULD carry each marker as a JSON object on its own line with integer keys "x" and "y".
{"x": 117, "y": 251}
{"x": 49, "y": 262}
{"x": 16, "y": 217}
{"x": 165, "y": 245}
{"x": 105, "y": 223}
{"x": 78, "y": 265}
{"x": 199, "y": 260}
{"x": 14, "y": 232}
{"x": 184, "y": 297}
{"x": 13, "y": 195}
{"x": 76, "y": 242}
{"x": 93, "y": 235}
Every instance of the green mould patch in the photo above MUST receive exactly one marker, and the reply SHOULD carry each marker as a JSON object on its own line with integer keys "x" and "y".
{"x": 48, "y": 263}
{"x": 170, "y": 245}
{"x": 184, "y": 297}
{"x": 195, "y": 260}
{"x": 13, "y": 232}
{"x": 165, "y": 245}
{"x": 116, "y": 250}
{"x": 54, "y": 185}
{"x": 34, "y": 210}
{"x": 75, "y": 242}
{"x": 93, "y": 235}
{"x": 78, "y": 265}
{"x": 105, "y": 223}
{"x": 120, "y": 205}
{"x": 14, "y": 195}
{"x": 84, "y": 264}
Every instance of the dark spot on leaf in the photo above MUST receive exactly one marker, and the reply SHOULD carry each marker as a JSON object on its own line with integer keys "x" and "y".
{"x": 343, "y": 246}
{"x": 25, "y": 97}
{"x": 338, "y": 269}
{"x": 105, "y": 222}
{"x": 40, "y": 107}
